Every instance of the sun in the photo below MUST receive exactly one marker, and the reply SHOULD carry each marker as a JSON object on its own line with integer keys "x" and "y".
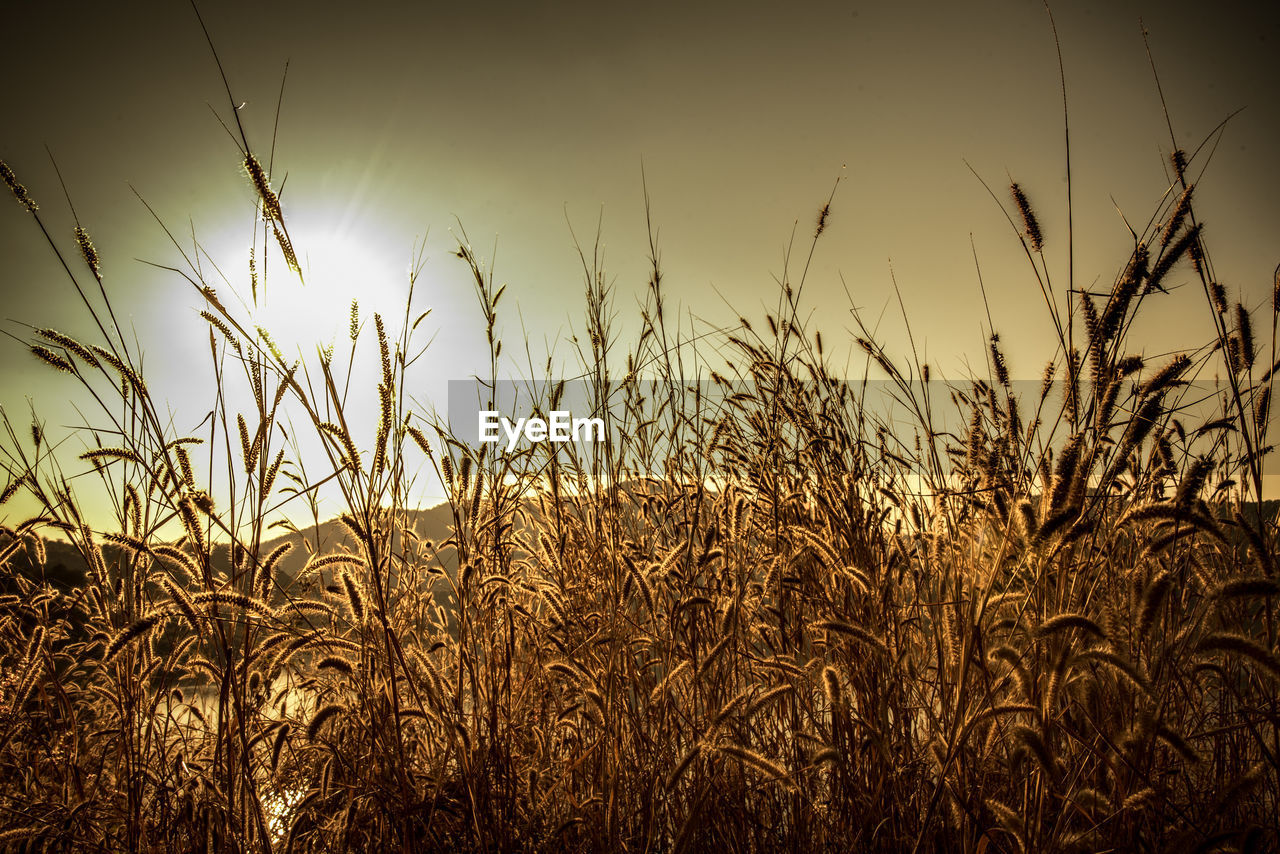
{"x": 339, "y": 266}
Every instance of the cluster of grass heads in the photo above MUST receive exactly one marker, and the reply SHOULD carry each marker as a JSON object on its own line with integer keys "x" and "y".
{"x": 762, "y": 619}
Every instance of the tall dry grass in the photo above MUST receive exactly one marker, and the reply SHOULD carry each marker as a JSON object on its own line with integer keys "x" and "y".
{"x": 762, "y": 619}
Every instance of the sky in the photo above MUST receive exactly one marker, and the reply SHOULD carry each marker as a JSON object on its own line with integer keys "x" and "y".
{"x": 531, "y": 125}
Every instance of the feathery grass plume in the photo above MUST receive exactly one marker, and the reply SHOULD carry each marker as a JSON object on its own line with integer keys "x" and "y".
{"x": 350, "y": 455}
{"x": 19, "y": 191}
{"x": 1262, "y": 409}
{"x": 548, "y": 553}
{"x": 1120, "y": 666}
{"x": 831, "y": 685}
{"x": 1065, "y": 476}
{"x": 1065, "y": 622}
{"x": 135, "y": 544}
{"x": 1218, "y": 294}
{"x": 599, "y": 702}
{"x": 320, "y": 717}
{"x": 246, "y": 448}
{"x": 274, "y": 469}
{"x": 737, "y": 513}
{"x": 88, "y": 252}
{"x": 353, "y": 329}
{"x": 1031, "y": 226}
{"x": 998, "y": 363}
{"x": 336, "y": 662}
{"x": 202, "y": 501}
{"x": 476, "y": 495}
{"x": 750, "y": 759}
{"x": 291, "y": 257}
{"x": 1125, "y": 290}
{"x": 11, "y": 490}
{"x": 268, "y": 198}
{"x": 282, "y": 738}
{"x": 1031, "y": 740}
{"x": 1244, "y": 332}
{"x": 419, "y": 439}
{"x": 762, "y": 702}
{"x": 52, "y": 359}
{"x": 1138, "y": 799}
{"x": 729, "y": 708}
{"x": 646, "y": 589}
{"x": 1107, "y": 405}
{"x": 464, "y": 476}
{"x": 184, "y": 467}
{"x": 683, "y": 765}
{"x": 557, "y": 606}
{"x": 125, "y": 454}
{"x": 822, "y": 220}
{"x": 712, "y": 657}
{"x": 850, "y": 630}
{"x": 265, "y": 577}
{"x": 183, "y": 602}
{"x": 354, "y": 598}
{"x": 69, "y": 344}
{"x": 1170, "y": 256}
{"x": 1166, "y": 376}
{"x": 1180, "y": 210}
{"x": 232, "y": 598}
{"x": 179, "y": 559}
{"x": 1152, "y": 598}
{"x": 1238, "y": 644}
{"x": 1010, "y": 821}
{"x": 1169, "y": 512}
{"x": 1030, "y": 524}
{"x": 994, "y": 712}
{"x": 27, "y": 832}
{"x": 1235, "y": 359}
{"x": 662, "y": 688}
{"x": 1071, "y": 393}
{"x": 664, "y": 568}
{"x": 821, "y": 550}
{"x": 34, "y": 647}
{"x": 127, "y": 374}
{"x": 1013, "y": 659}
{"x": 1193, "y": 481}
{"x": 446, "y": 469}
{"x": 130, "y": 633}
{"x": 276, "y": 353}
{"x": 565, "y": 669}
{"x": 1178, "y": 159}
{"x": 1046, "y": 380}
{"x": 1238, "y": 588}
{"x": 384, "y": 350}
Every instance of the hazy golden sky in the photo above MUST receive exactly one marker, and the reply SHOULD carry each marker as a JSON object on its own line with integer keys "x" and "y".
{"x": 513, "y": 117}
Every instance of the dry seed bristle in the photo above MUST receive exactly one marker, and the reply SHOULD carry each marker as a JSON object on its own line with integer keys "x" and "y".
{"x": 51, "y": 358}
{"x": 1244, "y": 332}
{"x": 319, "y": 719}
{"x": 88, "y": 252}
{"x": 131, "y": 633}
{"x": 354, "y": 598}
{"x": 1180, "y": 210}
{"x": 266, "y": 196}
{"x": 1030, "y": 225}
{"x": 19, "y": 191}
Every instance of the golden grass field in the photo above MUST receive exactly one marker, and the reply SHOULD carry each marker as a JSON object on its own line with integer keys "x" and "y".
{"x": 761, "y": 620}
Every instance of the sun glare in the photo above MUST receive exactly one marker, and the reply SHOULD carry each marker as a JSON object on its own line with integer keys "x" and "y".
{"x": 337, "y": 267}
